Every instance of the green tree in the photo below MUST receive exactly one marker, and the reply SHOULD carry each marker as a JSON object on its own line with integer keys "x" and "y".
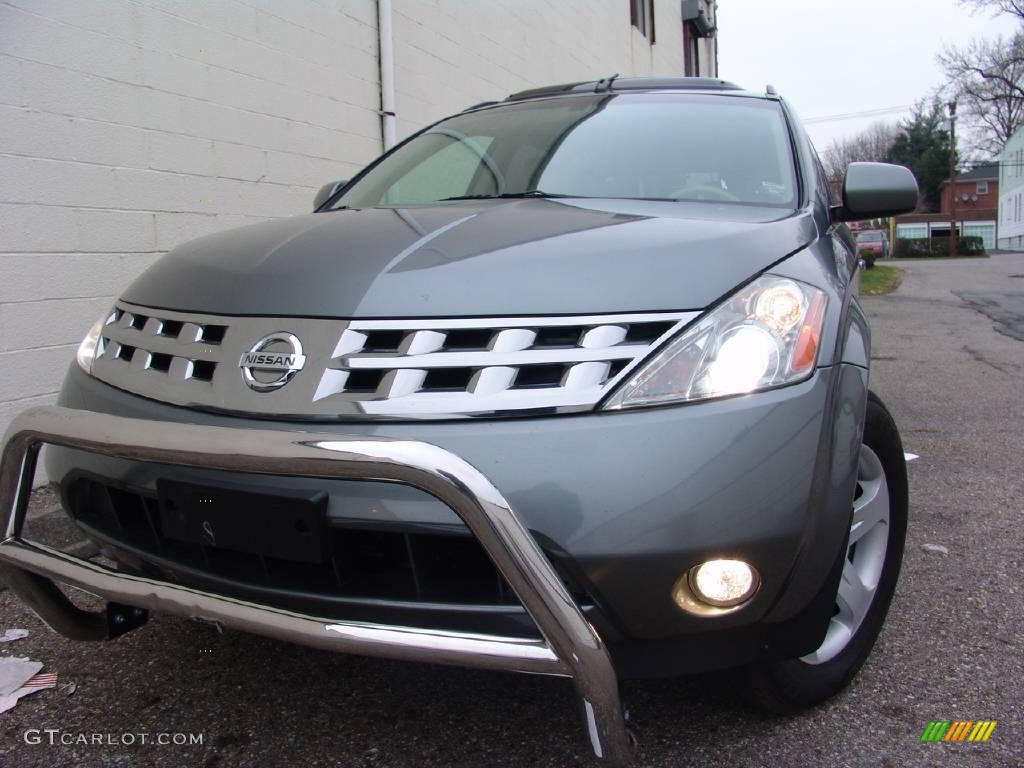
{"x": 922, "y": 145}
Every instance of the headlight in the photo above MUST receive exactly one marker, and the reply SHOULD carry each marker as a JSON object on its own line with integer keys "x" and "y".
{"x": 766, "y": 335}
{"x": 91, "y": 346}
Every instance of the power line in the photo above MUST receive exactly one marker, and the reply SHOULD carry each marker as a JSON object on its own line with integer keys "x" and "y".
{"x": 855, "y": 115}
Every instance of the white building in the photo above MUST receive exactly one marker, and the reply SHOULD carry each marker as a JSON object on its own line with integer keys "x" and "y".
{"x": 1011, "y": 193}
{"x": 127, "y": 128}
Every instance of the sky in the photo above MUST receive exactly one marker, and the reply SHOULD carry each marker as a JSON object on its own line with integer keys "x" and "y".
{"x": 834, "y": 57}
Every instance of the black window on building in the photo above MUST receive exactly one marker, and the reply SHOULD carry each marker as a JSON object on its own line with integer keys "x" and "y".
{"x": 697, "y": 26}
{"x": 691, "y": 51}
{"x": 641, "y": 15}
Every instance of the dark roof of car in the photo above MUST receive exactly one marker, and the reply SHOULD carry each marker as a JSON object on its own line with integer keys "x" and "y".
{"x": 987, "y": 172}
{"x": 628, "y": 84}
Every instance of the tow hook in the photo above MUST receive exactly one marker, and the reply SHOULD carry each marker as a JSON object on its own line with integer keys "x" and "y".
{"x": 124, "y": 618}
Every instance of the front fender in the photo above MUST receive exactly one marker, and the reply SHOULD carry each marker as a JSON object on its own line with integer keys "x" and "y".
{"x": 856, "y": 348}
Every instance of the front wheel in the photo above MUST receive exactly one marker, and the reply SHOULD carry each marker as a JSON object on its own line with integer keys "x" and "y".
{"x": 871, "y": 567}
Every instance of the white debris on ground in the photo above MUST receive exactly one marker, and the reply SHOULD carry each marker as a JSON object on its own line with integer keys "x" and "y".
{"x": 908, "y": 457}
{"x": 20, "y": 677}
{"x": 938, "y": 548}
{"x": 10, "y": 635}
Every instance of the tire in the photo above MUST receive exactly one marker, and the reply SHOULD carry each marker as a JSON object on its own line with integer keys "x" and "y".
{"x": 788, "y": 686}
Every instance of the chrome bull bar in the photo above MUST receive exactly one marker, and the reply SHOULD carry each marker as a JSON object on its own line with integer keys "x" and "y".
{"x": 570, "y": 646}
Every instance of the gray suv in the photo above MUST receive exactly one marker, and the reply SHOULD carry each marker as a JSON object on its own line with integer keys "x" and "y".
{"x": 575, "y": 383}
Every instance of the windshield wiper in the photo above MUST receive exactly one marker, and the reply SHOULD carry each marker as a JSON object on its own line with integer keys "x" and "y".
{"x": 509, "y": 196}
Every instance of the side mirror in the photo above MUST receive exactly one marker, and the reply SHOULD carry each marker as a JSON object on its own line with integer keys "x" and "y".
{"x": 326, "y": 192}
{"x": 875, "y": 190}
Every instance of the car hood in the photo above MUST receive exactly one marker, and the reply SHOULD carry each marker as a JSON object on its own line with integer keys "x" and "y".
{"x": 480, "y": 258}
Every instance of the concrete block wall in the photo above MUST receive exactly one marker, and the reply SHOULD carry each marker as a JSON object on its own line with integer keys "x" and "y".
{"x": 130, "y": 126}
{"x": 448, "y": 58}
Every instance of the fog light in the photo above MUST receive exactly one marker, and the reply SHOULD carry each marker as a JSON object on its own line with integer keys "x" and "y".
{"x": 716, "y": 587}
{"x": 723, "y": 583}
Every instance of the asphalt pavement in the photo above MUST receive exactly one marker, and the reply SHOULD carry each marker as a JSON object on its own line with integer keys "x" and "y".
{"x": 949, "y": 362}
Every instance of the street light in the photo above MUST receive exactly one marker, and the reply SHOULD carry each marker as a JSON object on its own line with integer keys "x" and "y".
{"x": 952, "y": 177}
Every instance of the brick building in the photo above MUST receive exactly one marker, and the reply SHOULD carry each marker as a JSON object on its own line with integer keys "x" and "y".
{"x": 974, "y": 205}
{"x": 129, "y": 127}
{"x": 973, "y": 190}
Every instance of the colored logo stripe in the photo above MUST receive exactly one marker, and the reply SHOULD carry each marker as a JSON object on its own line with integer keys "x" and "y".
{"x": 982, "y": 730}
{"x": 958, "y": 730}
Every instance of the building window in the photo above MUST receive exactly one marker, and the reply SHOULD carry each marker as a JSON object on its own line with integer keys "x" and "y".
{"x": 986, "y": 231}
{"x": 912, "y": 231}
{"x": 698, "y": 34}
{"x": 641, "y": 14}
{"x": 691, "y": 51}
{"x": 981, "y": 188}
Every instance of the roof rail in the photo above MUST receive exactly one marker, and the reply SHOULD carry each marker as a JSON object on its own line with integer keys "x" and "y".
{"x": 481, "y": 104}
{"x": 628, "y": 84}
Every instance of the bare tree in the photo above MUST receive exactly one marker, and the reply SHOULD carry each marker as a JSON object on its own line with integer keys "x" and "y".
{"x": 987, "y": 80}
{"x": 870, "y": 145}
{"x": 986, "y": 77}
{"x": 1009, "y": 7}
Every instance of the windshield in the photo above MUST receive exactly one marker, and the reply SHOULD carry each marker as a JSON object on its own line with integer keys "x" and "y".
{"x": 869, "y": 237}
{"x": 664, "y": 146}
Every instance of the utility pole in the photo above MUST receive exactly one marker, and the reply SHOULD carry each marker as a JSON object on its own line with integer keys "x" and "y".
{"x": 952, "y": 178}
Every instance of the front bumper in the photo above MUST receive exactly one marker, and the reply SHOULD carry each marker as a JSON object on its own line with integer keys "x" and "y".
{"x": 570, "y": 646}
{"x": 627, "y": 501}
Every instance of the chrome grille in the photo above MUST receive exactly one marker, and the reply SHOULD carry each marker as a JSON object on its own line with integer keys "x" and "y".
{"x": 181, "y": 349}
{"x": 430, "y": 368}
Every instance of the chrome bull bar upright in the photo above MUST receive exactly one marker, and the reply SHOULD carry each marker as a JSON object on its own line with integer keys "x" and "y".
{"x": 570, "y": 646}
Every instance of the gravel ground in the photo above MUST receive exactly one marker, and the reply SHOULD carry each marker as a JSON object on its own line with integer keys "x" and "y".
{"x": 950, "y": 364}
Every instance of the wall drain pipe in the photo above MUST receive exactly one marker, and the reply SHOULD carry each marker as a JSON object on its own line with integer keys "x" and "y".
{"x": 387, "y": 74}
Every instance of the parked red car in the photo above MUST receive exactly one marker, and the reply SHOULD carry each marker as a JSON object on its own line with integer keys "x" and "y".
{"x": 871, "y": 245}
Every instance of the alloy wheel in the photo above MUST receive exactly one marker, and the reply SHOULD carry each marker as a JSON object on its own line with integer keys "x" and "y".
{"x": 865, "y": 558}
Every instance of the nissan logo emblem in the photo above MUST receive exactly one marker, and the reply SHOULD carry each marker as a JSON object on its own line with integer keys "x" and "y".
{"x": 272, "y": 362}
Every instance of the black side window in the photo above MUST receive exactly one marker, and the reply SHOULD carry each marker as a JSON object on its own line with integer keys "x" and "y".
{"x": 825, "y": 186}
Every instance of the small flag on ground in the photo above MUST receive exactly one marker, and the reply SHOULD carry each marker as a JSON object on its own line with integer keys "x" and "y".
{"x": 39, "y": 681}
